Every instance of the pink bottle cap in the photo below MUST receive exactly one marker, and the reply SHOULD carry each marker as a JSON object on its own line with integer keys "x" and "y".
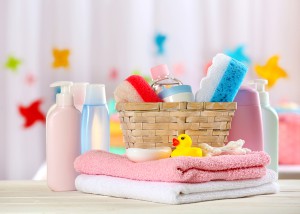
{"x": 247, "y": 96}
{"x": 159, "y": 72}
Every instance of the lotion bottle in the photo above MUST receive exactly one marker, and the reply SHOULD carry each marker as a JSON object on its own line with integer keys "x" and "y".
{"x": 95, "y": 125}
{"x": 270, "y": 124}
{"x": 247, "y": 120}
{"x": 62, "y": 140}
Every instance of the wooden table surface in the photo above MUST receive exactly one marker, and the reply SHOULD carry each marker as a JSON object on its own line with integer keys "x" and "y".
{"x": 35, "y": 197}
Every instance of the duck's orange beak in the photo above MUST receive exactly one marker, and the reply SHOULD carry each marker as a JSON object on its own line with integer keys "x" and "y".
{"x": 175, "y": 142}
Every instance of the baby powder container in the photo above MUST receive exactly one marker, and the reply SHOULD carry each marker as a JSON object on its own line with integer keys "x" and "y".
{"x": 62, "y": 140}
{"x": 247, "y": 120}
{"x": 162, "y": 79}
{"x": 270, "y": 124}
{"x": 180, "y": 93}
{"x": 95, "y": 126}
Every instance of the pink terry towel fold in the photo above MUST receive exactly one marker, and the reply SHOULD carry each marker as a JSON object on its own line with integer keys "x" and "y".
{"x": 179, "y": 169}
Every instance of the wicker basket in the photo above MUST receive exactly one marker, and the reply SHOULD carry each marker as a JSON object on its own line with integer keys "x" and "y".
{"x": 146, "y": 125}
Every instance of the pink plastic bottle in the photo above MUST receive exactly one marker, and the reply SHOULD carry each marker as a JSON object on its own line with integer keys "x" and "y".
{"x": 63, "y": 140}
{"x": 247, "y": 120}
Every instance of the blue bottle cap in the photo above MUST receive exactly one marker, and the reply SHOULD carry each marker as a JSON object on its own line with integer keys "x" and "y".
{"x": 95, "y": 94}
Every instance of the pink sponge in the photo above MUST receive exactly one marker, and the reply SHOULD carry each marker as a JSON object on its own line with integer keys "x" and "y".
{"x": 135, "y": 89}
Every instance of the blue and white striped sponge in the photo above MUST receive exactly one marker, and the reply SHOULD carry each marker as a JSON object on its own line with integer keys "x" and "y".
{"x": 223, "y": 80}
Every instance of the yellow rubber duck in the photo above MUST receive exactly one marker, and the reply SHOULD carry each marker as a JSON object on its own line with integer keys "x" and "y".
{"x": 183, "y": 147}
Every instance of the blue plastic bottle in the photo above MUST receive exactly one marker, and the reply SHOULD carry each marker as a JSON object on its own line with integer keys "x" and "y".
{"x": 95, "y": 128}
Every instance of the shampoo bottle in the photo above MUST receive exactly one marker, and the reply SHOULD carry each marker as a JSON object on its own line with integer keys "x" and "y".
{"x": 270, "y": 124}
{"x": 62, "y": 140}
{"x": 95, "y": 126}
{"x": 247, "y": 122}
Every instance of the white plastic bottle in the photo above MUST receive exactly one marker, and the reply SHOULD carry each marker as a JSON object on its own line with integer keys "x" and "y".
{"x": 270, "y": 124}
{"x": 95, "y": 124}
{"x": 62, "y": 140}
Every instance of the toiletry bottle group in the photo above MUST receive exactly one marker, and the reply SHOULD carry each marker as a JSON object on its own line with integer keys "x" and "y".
{"x": 69, "y": 133}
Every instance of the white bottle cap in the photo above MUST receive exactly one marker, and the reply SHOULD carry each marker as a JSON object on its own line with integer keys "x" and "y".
{"x": 260, "y": 87}
{"x": 64, "y": 98}
{"x": 78, "y": 90}
{"x": 95, "y": 94}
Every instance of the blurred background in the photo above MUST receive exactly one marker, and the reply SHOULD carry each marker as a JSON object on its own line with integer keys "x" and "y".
{"x": 104, "y": 41}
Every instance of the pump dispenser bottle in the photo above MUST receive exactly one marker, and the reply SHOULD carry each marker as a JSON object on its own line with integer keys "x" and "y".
{"x": 62, "y": 140}
{"x": 270, "y": 124}
{"x": 95, "y": 127}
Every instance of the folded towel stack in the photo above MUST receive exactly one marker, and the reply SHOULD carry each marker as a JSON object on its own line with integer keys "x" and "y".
{"x": 175, "y": 180}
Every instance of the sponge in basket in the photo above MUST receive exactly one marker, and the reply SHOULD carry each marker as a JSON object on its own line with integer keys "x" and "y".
{"x": 223, "y": 80}
{"x": 135, "y": 89}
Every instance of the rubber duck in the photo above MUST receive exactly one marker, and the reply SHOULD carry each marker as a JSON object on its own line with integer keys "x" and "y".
{"x": 183, "y": 145}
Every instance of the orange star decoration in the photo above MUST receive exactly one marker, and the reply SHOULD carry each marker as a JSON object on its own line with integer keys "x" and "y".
{"x": 271, "y": 71}
{"x": 61, "y": 58}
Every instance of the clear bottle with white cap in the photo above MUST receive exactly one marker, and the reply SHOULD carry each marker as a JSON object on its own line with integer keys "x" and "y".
{"x": 62, "y": 140}
{"x": 95, "y": 126}
{"x": 162, "y": 79}
{"x": 270, "y": 123}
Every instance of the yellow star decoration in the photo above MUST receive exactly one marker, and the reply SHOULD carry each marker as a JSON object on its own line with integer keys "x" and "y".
{"x": 271, "y": 71}
{"x": 61, "y": 58}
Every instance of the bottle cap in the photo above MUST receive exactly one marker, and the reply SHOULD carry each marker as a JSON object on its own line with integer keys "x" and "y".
{"x": 260, "y": 84}
{"x": 78, "y": 91}
{"x": 263, "y": 95}
{"x": 64, "y": 98}
{"x": 95, "y": 94}
{"x": 247, "y": 96}
{"x": 159, "y": 72}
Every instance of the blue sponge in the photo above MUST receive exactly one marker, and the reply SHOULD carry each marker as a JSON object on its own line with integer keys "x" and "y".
{"x": 230, "y": 82}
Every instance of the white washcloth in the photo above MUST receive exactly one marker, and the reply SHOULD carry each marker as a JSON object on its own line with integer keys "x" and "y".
{"x": 176, "y": 193}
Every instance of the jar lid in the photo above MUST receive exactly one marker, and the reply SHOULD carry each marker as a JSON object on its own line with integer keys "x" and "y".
{"x": 175, "y": 90}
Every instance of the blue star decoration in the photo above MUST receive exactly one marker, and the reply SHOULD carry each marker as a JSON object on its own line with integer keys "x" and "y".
{"x": 239, "y": 54}
{"x": 160, "y": 40}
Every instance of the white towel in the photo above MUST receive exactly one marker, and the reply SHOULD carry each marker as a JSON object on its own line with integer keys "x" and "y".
{"x": 176, "y": 193}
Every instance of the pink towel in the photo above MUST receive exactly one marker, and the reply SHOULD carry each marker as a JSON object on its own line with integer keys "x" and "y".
{"x": 180, "y": 169}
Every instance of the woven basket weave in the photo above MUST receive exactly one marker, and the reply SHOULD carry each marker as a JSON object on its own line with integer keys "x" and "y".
{"x": 146, "y": 125}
